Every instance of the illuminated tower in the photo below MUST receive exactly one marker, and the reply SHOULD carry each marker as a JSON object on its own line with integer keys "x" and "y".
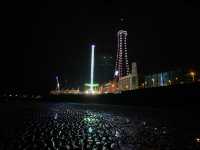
{"x": 91, "y": 85}
{"x": 121, "y": 66}
{"x": 92, "y": 69}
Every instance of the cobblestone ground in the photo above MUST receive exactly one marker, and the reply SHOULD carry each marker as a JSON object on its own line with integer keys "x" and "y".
{"x": 70, "y": 126}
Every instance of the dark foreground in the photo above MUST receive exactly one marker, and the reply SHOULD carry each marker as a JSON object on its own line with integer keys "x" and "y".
{"x": 30, "y": 124}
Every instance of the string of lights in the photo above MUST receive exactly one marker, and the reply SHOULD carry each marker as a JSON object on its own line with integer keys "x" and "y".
{"x": 122, "y": 66}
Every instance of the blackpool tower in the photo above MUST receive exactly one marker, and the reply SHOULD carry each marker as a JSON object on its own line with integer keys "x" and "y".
{"x": 121, "y": 66}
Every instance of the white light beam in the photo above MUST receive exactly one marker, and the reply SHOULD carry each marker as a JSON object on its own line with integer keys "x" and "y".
{"x": 92, "y": 69}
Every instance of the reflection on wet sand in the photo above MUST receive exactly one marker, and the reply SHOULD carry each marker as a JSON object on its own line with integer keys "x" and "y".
{"x": 69, "y": 126}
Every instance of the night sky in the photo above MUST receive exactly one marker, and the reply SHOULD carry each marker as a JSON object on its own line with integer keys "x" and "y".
{"x": 42, "y": 40}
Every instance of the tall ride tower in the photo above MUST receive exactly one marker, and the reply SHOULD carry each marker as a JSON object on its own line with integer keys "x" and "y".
{"x": 121, "y": 66}
{"x": 92, "y": 70}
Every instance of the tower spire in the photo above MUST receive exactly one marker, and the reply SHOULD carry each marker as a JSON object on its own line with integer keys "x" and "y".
{"x": 122, "y": 65}
{"x": 122, "y": 24}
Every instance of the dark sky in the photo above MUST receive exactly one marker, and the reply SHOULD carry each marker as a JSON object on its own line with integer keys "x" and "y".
{"x": 42, "y": 40}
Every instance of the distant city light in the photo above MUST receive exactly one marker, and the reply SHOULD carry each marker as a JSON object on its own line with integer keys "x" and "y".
{"x": 170, "y": 82}
{"x": 116, "y": 73}
{"x": 90, "y": 130}
{"x": 198, "y": 140}
{"x": 192, "y": 74}
{"x": 94, "y": 84}
{"x": 153, "y": 80}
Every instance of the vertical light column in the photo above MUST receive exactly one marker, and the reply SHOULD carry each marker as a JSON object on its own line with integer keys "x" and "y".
{"x": 92, "y": 69}
{"x": 58, "y": 85}
{"x": 161, "y": 79}
{"x": 117, "y": 59}
{"x": 126, "y": 55}
{"x": 122, "y": 66}
{"x": 120, "y": 55}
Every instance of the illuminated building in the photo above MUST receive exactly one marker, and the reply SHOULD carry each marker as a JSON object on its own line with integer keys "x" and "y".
{"x": 129, "y": 82}
{"x": 134, "y": 73}
{"x": 125, "y": 83}
{"x": 159, "y": 79}
{"x": 121, "y": 66}
{"x": 71, "y": 91}
{"x": 178, "y": 76}
{"x": 110, "y": 87}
